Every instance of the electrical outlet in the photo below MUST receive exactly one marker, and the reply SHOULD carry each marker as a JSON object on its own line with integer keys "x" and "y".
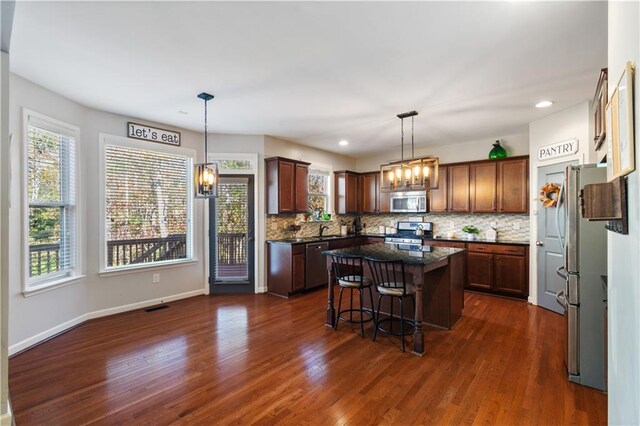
{"x": 156, "y": 278}
{"x": 516, "y": 225}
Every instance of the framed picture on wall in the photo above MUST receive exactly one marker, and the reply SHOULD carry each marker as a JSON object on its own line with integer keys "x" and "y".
{"x": 622, "y": 124}
{"x": 609, "y": 139}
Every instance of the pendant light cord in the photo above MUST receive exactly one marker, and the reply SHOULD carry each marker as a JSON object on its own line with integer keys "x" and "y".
{"x": 402, "y": 140}
{"x": 206, "y": 156}
{"x": 412, "y": 153}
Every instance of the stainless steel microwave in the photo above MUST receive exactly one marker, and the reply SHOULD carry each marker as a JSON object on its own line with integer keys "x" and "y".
{"x": 409, "y": 202}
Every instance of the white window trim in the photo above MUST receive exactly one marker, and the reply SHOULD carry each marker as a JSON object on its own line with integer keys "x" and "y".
{"x": 107, "y": 139}
{"x": 40, "y": 285}
{"x": 328, "y": 169}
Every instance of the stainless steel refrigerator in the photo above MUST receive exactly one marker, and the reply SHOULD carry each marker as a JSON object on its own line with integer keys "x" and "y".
{"x": 585, "y": 263}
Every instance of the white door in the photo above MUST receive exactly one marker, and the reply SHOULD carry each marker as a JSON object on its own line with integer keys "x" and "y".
{"x": 549, "y": 252}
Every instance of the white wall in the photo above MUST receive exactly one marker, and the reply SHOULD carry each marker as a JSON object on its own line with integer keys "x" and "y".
{"x": 624, "y": 250}
{"x": 100, "y": 294}
{"x": 279, "y": 147}
{"x": 516, "y": 144}
{"x": 570, "y": 123}
{"x": 36, "y": 317}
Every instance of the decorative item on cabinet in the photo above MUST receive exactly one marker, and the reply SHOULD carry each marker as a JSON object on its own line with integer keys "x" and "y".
{"x": 497, "y": 151}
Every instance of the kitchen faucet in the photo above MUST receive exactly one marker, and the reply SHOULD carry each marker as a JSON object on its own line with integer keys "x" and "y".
{"x": 322, "y": 228}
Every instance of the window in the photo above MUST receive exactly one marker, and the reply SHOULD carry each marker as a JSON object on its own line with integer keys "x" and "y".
{"x": 147, "y": 205}
{"x": 318, "y": 190}
{"x": 51, "y": 201}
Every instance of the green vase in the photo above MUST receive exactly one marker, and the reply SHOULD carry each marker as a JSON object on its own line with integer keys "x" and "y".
{"x": 497, "y": 151}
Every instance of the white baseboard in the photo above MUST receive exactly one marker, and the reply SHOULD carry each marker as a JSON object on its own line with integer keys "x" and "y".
{"x": 143, "y": 304}
{"x": 530, "y": 300}
{"x": 34, "y": 340}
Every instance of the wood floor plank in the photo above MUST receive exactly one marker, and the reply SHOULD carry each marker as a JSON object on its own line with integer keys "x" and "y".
{"x": 259, "y": 359}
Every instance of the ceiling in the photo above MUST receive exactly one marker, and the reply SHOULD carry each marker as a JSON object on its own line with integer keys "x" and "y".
{"x": 318, "y": 72}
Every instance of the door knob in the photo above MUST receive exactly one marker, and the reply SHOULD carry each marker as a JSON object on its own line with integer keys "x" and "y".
{"x": 539, "y": 243}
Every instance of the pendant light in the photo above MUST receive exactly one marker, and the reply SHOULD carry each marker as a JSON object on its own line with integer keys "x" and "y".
{"x": 205, "y": 174}
{"x": 413, "y": 174}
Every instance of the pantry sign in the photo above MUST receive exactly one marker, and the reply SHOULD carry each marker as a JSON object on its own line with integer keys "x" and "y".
{"x": 558, "y": 149}
{"x": 153, "y": 134}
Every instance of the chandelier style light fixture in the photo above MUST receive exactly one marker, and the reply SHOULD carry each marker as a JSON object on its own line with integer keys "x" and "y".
{"x": 205, "y": 174}
{"x": 411, "y": 174}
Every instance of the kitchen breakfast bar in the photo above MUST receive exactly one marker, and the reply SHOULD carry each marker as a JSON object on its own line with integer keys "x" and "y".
{"x": 436, "y": 272}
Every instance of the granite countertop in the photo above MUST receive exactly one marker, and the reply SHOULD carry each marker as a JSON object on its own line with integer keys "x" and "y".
{"x": 304, "y": 240}
{"x": 479, "y": 240}
{"x": 384, "y": 251}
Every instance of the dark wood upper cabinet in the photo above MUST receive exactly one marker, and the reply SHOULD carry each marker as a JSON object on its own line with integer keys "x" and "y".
{"x": 302, "y": 187}
{"x": 287, "y": 185}
{"x": 438, "y": 198}
{"x": 484, "y": 177}
{"x": 458, "y": 197}
{"x": 488, "y": 186}
{"x": 347, "y": 197}
{"x": 513, "y": 185}
{"x": 384, "y": 202}
{"x": 370, "y": 190}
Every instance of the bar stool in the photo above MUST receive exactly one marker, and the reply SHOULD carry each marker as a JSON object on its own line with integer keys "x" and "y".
{"x": 389, "y": 279}
{"x": 349, "y": 273}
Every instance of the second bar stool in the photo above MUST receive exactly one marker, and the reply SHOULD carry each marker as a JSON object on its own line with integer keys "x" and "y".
{"x": 389, "y": 279}
{"x": 349, "y": 274}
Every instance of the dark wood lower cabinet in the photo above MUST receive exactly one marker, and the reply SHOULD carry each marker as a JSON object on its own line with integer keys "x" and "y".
{"x": 479, "y": 271}
{"x": 498, "y": 269}
{"x": 510, "y": 275}
{"x": 298, "y": 270}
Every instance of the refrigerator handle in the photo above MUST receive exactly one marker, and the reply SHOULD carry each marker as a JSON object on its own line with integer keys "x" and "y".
{"x": 558, "y": 205}
{"x": 562, "y": 272}
{"x": 562, "y": 301}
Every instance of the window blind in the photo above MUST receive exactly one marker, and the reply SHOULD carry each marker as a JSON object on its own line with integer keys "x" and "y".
{"x": 147, "y": 205}
{"x": 51, "y": 193}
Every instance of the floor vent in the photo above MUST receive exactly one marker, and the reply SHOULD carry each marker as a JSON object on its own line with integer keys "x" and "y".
{"x": 156, "y": 308}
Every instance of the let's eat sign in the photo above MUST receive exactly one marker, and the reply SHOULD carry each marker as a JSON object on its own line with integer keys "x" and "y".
{"x": 153, "y": 134}
{"x": 558, "y": 149}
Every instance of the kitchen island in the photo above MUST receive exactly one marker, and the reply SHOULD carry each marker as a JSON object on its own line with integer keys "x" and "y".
{"x": 436, "y": 272}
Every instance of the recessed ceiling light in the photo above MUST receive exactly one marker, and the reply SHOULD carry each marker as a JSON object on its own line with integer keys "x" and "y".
{"x": 183, "y": 112}
{"x": 544, "y": 104}
{"x": 343, "y": 143}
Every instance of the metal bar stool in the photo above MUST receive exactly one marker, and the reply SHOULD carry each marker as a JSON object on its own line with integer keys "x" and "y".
{"x": 349, "y": 273}
{"x": 389, "y": 279}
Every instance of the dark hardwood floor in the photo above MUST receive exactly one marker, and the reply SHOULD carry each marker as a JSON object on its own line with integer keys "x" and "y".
{"x": 262, "y": 359}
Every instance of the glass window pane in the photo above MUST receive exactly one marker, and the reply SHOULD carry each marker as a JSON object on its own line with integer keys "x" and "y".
{"x": 146, "y": 206}
{"x": 45, "y": 230}
{"x": 233, "y": 164}
{"x": 44, "y": 171}
{"x": 317, "y": 184}
{"x": 317, "y": 202}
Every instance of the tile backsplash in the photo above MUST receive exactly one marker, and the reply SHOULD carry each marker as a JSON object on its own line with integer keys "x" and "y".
{"x": 442, "y": 224}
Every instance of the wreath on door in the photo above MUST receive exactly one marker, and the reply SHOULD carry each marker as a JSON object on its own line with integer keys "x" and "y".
{"x": 549, "y": 194}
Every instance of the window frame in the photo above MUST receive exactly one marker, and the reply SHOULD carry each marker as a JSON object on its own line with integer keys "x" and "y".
{"x": 326, "y": 170}
{"x": 113, "y": 140}
{"x": 52, "y": 280}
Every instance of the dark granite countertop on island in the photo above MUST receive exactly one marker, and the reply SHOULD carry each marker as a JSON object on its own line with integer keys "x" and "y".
{"x": 392, "y": 252}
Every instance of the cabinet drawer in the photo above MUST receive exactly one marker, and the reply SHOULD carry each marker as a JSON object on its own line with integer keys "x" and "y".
{"x": 495, "y": 248}
{"x": 443, "y": 244}
{"x": 297, "y": 248}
